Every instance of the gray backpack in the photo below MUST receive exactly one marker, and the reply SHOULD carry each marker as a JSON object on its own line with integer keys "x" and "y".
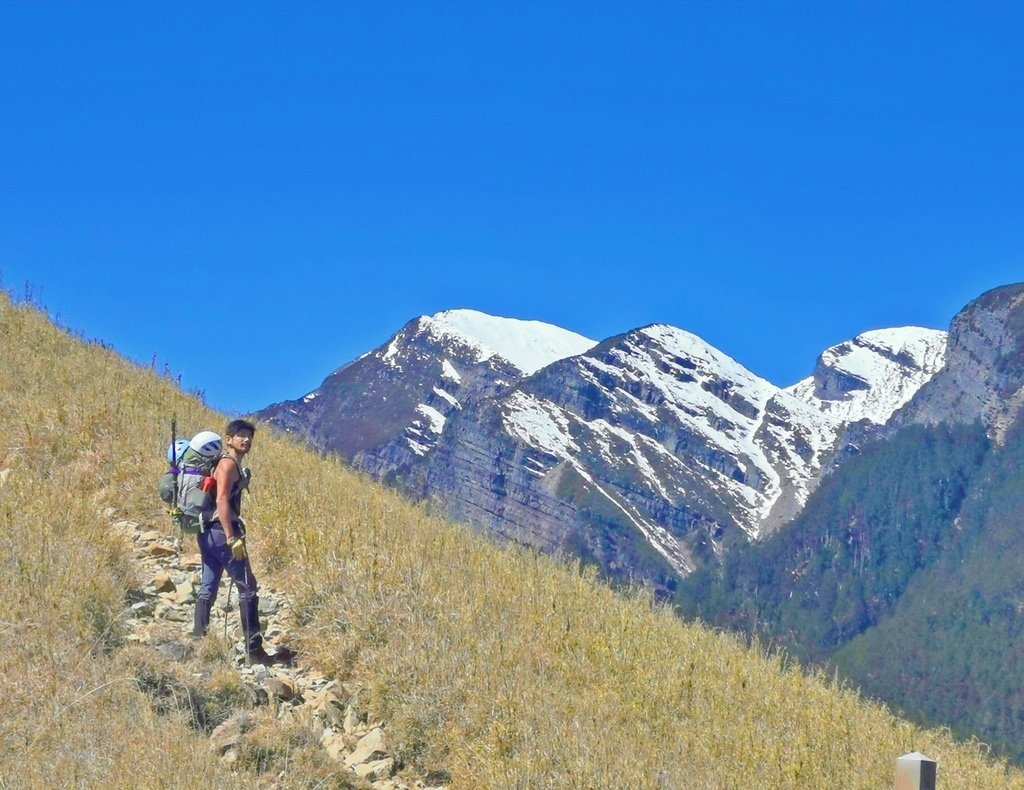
{"x": 189, "y": 488}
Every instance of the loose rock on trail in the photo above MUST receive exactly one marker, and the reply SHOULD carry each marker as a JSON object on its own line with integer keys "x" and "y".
{"x": 161, "y": 620}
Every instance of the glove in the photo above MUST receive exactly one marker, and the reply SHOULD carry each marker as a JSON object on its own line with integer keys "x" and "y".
{"x": 237, "y": 546}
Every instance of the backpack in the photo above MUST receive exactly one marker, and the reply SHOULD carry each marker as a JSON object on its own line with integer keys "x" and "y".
{"x": 189, "y": 487}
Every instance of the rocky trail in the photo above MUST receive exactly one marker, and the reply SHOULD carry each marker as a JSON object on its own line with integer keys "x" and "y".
{"x": 161, "y": 621}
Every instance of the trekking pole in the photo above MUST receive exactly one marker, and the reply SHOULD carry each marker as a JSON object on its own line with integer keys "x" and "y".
{"x": 243, "y": 603}
{"x": 179, "y": 538}
{"x": 246, "y": 625}
{"x": 227, "y": 611}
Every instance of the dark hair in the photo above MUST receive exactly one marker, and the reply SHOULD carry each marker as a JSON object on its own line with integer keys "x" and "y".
{"x": 235, "y": 427}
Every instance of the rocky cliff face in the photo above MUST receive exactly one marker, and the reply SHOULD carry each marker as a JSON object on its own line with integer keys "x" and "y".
{"x": 648, "y": 454}
{"x": 983, "y": 377}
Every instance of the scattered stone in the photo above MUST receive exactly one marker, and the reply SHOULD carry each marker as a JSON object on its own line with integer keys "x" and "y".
{"x": 283, "y": 688}
{"x": 335, "y": 744}
{"x": 175, "y": 651}
{"x": 127, "y": 526}
{"x": 371, "y": 747}
{"x": 165, "y": 611}
{"x": 142, "y": 609}
{"x": 305, "y": 716}
{"x": 159, "y": 550}
{"x": 3, "y": 475}
{"x": 163, "y": 582}
{"x": 191, "y": 561}
{"x": 229, "y": 734}
{"x": 259, "y": 672}
{"x": 185, "y": 592}
{"x": 268, "y": 605}
{"x": 152, "y": 535}
{"x": 328, "y": 705}
{"x": 351, "y": 722}
{"x": 378, "y": 769}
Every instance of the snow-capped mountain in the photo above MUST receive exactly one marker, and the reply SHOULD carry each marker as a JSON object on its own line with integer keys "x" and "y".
{"x": 649, "y": 453}
{"x": 867, "y": 378}
{"x": 529, "y": 345}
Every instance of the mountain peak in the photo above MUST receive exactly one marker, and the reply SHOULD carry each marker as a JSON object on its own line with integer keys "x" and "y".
{"x": 529, "y": 345}
{"x": 873, "y": 374}
{"x": 687, "y": 345}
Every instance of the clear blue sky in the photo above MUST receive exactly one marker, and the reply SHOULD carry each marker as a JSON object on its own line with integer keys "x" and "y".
{"x": 306, "y": 177}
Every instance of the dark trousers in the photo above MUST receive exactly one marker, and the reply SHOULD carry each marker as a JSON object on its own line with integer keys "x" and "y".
{"x": 216, "y": 555}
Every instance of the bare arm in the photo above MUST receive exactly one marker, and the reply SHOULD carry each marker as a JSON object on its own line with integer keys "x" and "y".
{"x": 225, "y": 474}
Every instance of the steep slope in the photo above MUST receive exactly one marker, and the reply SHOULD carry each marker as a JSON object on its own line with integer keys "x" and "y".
{"x": 648, "y": 454}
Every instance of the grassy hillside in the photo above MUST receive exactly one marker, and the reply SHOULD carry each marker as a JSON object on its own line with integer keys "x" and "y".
{"x": 496, "y": 666}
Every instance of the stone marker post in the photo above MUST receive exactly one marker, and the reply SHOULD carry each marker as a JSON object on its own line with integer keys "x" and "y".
{"x": 915, "y": 772}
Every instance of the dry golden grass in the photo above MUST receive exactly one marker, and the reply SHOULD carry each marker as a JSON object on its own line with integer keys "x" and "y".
{"x": 68, "y": 717}
{"x": 496, "y": 666}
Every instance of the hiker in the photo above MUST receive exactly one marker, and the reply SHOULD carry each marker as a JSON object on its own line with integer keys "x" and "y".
{"x": 222, "y": 544}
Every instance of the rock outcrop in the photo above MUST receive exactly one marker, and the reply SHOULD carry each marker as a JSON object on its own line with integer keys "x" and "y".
{"x": 983, "y": 377}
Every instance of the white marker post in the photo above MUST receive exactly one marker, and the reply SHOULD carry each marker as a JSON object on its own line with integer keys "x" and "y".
{"x": 915, "y": 772}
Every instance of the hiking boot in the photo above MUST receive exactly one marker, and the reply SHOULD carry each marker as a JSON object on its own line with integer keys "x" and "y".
{"x": 284, "y": 657}
{"x": 201, "y": 618}
{"x": 259, "y": 656}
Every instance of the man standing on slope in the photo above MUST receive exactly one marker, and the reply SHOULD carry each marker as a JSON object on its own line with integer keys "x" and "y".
{"x": 222, "y": 545}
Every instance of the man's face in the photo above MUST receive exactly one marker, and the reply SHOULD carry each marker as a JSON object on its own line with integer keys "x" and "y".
{"x": 241, "y": 442}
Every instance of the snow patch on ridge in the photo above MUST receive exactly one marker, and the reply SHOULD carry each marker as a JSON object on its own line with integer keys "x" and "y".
{"x": 435, "y": 420}
{"x": 447, "y": 396}
{"x": 391, "y": 353}
{"x": 658, "y": 420}
{"x": 893, "y": 365}
{"x": 529, "y": 345}
{"x": 539, "y": 424}
{"x": 422, "y": 434}
{"x": 449, "y": 372}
